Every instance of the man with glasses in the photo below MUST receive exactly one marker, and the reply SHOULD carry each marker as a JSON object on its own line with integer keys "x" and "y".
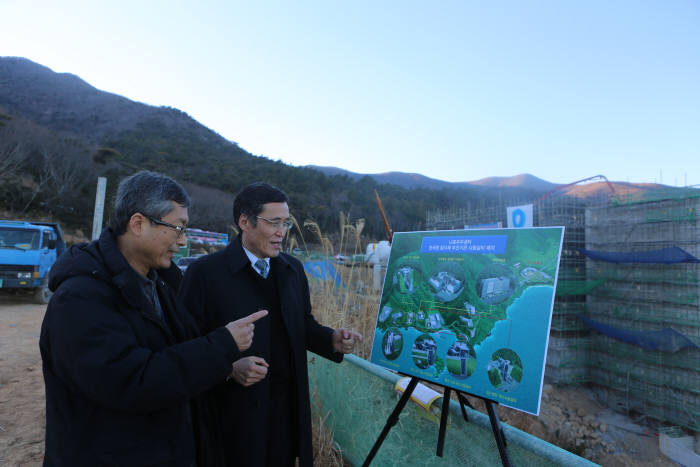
{"x": 122, "y": 358}
{"x": 264, "y": 408}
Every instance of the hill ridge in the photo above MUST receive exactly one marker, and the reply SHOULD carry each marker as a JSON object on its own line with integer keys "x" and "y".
{"x": 114, "y": 136}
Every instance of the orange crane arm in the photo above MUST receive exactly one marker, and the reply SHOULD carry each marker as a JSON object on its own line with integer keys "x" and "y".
{"x": 387, "y": 226}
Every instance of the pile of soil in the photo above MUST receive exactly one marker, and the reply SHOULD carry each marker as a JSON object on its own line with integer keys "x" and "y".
{"x": 570, "y": 417}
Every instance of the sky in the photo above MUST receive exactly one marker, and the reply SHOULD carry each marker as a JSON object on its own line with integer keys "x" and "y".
{"x": 453, "y": 90}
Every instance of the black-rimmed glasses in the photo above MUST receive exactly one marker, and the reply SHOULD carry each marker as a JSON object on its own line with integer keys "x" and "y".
{"x": 278, "y": 223}
{"x": 177, "y": 228}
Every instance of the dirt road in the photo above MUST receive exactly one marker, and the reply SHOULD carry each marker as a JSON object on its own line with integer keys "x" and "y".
{"x": 22, "y": 408}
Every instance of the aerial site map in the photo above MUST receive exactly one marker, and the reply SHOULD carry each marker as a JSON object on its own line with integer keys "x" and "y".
{"x": 471, "y": 310}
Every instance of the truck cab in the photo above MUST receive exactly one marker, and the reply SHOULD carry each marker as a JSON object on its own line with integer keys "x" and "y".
{"x": 28, "y": 250}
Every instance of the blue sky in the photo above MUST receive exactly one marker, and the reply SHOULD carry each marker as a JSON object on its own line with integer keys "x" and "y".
{"x": 454, "y": 90}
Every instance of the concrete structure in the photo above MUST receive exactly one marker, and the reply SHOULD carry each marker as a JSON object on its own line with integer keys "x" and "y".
{"x": 642, "y": 298}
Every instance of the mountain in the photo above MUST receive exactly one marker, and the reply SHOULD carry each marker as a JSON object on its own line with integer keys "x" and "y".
{"x": 621, "y": 190}
{"x": 58, "y": 125}
{"x": 64, "y": 102}
{"x": 406, "y": 180}
{"x": 58, "y": 133}
{"x": 527, "y": 181}
{"x": 413, "y": 180}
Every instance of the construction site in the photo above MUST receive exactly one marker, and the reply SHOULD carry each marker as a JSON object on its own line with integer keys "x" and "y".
{"x": 626, "y": 316}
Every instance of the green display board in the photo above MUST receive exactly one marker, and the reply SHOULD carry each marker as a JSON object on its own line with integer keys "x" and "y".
{"x": 471, "y": 310}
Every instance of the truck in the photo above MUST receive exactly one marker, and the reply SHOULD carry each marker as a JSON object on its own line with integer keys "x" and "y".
{"x": 28, "y": 250}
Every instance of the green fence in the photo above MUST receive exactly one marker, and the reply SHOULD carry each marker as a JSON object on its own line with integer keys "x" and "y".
{"x": 356, "y": 398}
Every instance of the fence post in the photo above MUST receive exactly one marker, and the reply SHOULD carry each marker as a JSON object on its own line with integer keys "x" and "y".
{"x": 99, "y": 207}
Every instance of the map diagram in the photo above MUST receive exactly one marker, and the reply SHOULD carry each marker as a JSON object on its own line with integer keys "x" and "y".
{"x": 471, "y": 310}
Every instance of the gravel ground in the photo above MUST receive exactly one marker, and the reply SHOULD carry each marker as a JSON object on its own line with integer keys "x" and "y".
{"x": 22, "y": 411}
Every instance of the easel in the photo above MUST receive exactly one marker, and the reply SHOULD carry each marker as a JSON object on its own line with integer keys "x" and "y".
{"x": 394, "y": 418}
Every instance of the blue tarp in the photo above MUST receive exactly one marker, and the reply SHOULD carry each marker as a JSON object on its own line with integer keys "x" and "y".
{"x": 323, "y": 270}
{"x": 664, "y": 255}
{"x": 666, "y": 340}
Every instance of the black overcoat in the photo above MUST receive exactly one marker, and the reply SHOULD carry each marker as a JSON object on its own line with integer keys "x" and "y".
{"x": 211, "y": 290}
{"x": 119, "y": 381}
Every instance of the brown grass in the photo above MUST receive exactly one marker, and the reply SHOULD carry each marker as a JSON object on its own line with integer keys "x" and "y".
{"x": 353, "y": 305}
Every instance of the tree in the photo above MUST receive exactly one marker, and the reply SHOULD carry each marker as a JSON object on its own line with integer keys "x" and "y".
{"x": 13, "y": 150}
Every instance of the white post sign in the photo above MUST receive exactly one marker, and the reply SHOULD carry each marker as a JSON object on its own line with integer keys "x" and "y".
{"x": 99, "y": 207}
{"x": 520, "y": 216}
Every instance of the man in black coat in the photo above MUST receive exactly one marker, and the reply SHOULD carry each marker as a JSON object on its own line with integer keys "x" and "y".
{"x": 121, "y": 356}
{"x": 265, "y": 409}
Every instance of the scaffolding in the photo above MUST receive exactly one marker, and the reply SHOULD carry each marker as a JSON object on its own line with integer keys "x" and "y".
{"x": 568, "y": 341}
{"x": 631, "y": 296}
{"x": 566, "y": 355}
{"x": 645, "y": 298}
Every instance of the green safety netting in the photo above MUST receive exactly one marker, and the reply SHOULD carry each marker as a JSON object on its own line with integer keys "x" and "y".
{"x": 577, "y": 287}
{"x": 356, "y": 398}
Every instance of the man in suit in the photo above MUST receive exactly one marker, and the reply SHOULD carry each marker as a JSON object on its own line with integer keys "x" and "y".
{"x": 122, "y": 358}
{"x": 265, "y": 408}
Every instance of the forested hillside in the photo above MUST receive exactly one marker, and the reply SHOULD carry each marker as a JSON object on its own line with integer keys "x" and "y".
{"x": 58, "y": 133}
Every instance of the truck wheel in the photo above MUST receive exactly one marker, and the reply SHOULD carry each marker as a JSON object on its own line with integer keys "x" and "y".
{"x": 42, "y": 294}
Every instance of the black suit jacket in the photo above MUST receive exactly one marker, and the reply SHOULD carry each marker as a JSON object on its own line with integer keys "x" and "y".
{"x": 212, "y": 291}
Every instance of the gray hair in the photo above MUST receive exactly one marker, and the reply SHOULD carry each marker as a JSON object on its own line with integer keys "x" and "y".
{"x": 148, "y": 193}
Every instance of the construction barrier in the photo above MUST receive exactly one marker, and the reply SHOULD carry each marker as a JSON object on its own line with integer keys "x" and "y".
{"x": 356, "y": 397}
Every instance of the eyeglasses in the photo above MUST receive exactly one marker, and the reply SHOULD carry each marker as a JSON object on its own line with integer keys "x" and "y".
{"x": 278, "y": 223}
{"x": 177, "y": 228}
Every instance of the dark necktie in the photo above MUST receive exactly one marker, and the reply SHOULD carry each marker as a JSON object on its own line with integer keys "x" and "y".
{"x": 262, "y": 267}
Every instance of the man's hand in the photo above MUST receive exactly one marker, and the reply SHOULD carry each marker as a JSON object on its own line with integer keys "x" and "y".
{"x": 242, "y": 329}
{"x": 344, "y": 340}
{"x": 249, "y": 370}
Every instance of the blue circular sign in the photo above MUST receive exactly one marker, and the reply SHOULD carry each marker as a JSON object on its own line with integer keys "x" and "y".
{"x": 519, "y": 218}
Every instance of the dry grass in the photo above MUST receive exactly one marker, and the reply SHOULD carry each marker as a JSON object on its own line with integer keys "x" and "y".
{"x": 327, "y": 453}
{"x": 352, "y": 305}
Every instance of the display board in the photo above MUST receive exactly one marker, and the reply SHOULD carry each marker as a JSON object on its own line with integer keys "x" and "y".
{"x": 471, "y": 310}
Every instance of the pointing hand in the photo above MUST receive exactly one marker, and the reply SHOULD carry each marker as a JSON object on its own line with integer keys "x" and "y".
{"x": 242, "y": 329}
